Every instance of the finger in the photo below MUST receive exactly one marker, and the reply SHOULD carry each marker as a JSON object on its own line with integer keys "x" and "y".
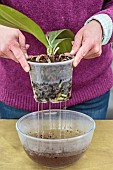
{"x": 76, "y": 44}
{"x": 81, "y": 53}
{"x": 1, "y": 53}
{"x": 6, "y": 53}
{"x": 72, "y": 42}
{"x": 10, "y": 55}
{"x": 23, "y": 46}
{"x": 94, "y": 52}
{"x": 91, "y": 56}
{"x": 26, "y": 55}
{"x": 20, "y": 56}
{"x": 7, "y": 56}
{"x": 27, "y": 46}
{"x": 29, "y": 56}
{"x": 21, "y": 40}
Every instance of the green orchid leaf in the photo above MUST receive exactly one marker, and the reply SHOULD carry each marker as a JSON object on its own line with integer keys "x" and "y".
{"x": 60, "y": 38}
{"x": 65, "y": 45}
{"x": 6, "y": 23}
{"x": 59, "y": 34}
{"x": 13, "y": 18}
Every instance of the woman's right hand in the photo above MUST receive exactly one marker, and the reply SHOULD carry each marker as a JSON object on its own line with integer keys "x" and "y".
{"x": 13, "y": 46}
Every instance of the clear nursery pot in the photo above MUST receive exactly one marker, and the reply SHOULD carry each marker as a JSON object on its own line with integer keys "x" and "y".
{"x": 51, "y": 82}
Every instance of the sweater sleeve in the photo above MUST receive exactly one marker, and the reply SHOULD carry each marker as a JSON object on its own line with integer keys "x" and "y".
{"x": 108, "y": 9}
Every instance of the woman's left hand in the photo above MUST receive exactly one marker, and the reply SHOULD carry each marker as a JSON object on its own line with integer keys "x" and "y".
{"x": 88, "y": 42}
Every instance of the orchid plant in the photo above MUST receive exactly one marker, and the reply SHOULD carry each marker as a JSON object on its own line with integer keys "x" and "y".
{"x": 59, "y": 41}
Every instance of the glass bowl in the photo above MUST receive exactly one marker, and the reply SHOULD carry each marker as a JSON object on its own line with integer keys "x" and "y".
{"x": 55, "y": 138}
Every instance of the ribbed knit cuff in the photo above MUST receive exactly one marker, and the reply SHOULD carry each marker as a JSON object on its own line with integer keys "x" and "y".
{"x": 106, "y": 24}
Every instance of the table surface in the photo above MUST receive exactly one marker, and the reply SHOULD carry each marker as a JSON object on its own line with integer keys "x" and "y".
{"x": 99, "y": 155}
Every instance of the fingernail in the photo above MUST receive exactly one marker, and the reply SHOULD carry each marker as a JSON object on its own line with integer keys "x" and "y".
{"x": 75, "y": 64}
{"x": 27, "y": 46}
{"x": 26, "y": 55}
{"x": 72, "y": 42}
{"x": 72, "y": 52}
{"x": 26, "y": 69}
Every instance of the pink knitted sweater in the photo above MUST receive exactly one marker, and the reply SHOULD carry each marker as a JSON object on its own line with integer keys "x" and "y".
{"x": 91, "y": 78}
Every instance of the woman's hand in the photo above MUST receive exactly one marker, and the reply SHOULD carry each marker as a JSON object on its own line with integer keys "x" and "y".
{"x": 12, "y": 46}
{"x": 88, "y": 42}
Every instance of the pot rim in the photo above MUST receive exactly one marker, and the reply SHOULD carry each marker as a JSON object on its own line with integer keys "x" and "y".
{"x": 51, "y": 64}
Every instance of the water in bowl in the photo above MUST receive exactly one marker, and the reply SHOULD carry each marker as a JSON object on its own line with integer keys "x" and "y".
{"x": 52, "y": 159}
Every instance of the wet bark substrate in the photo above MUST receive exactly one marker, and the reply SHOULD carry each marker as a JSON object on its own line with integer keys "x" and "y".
{"x": 44, "y": 58}
{"x": 55, "y": 92}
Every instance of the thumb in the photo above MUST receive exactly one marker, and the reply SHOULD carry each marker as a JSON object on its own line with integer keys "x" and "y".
{"x": 76, "y": 44}
{"x": 84, "y": 49}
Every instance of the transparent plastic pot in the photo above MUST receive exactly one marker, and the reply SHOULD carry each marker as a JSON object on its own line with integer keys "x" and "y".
{"x": 51, "y": 82}
{"x": 58, "y": 152}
